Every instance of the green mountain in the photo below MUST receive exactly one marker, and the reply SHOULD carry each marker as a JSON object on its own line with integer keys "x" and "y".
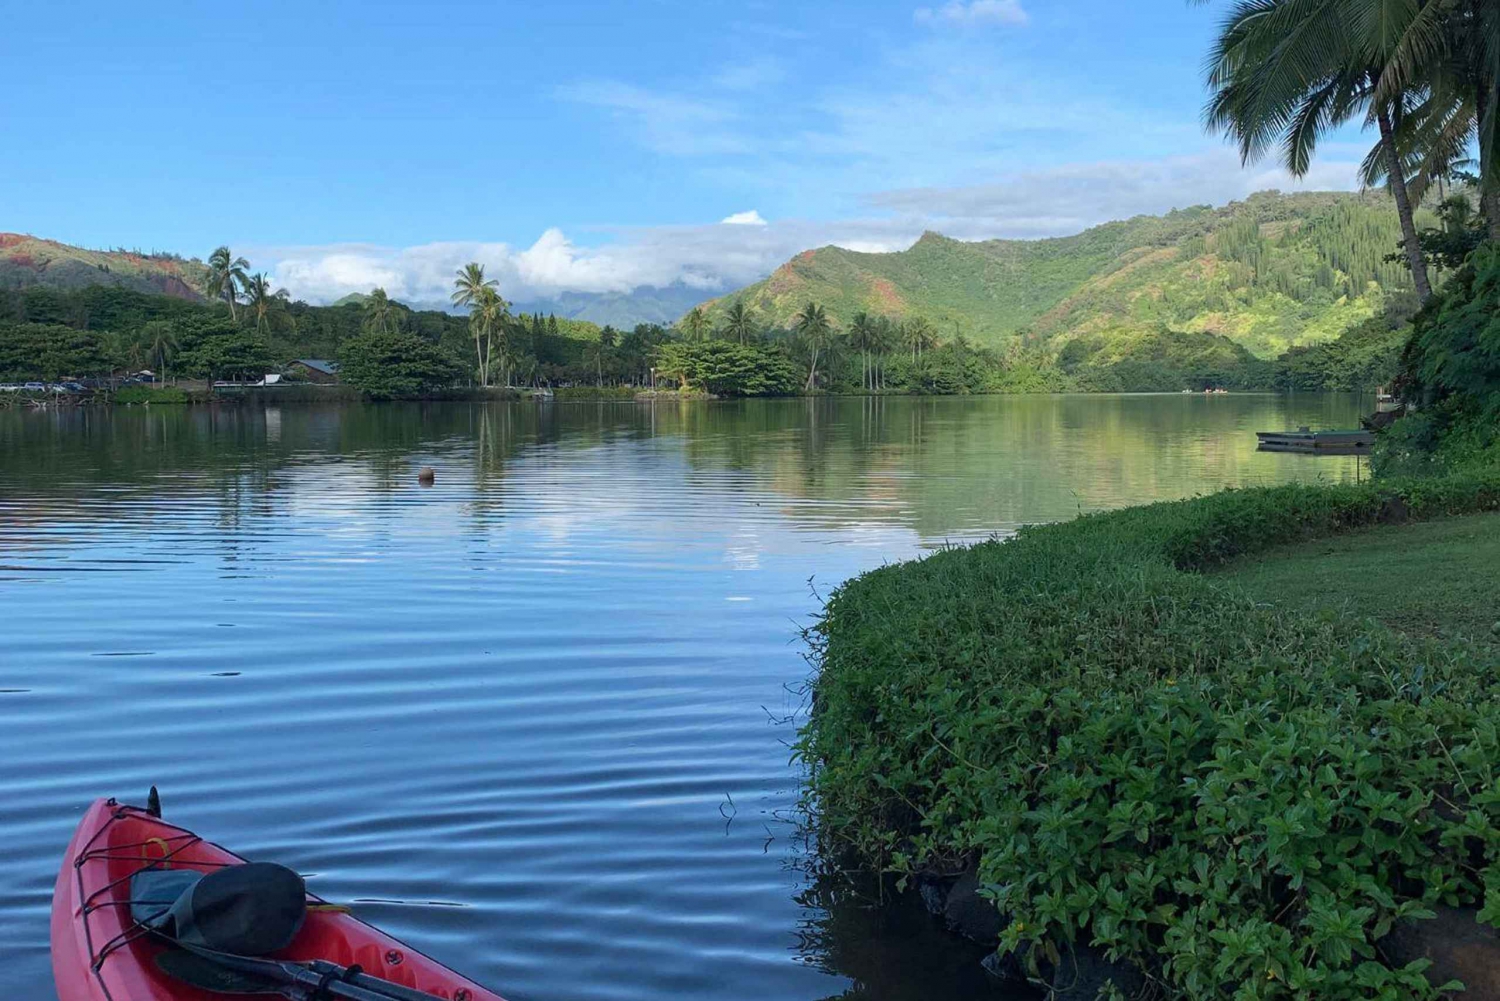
{"x": 28, "y": 261}
{"x": 1271, "y": 272}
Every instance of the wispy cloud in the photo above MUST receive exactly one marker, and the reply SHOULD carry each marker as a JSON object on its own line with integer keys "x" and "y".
{"x": 1071, "y": 198}
{"x": 753, "y": 75}
{"x": 973, "y": 12}
{"x": 666, "y": 123}
{"x": 745, "y": 247}
{"x": 779, "y": 32}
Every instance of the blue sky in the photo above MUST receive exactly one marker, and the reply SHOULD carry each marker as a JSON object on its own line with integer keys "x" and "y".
{"x": 597, "y": 146}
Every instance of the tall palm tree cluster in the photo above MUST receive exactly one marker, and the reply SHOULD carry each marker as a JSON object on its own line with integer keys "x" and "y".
{"x": 228, "y": 279}
{"x": 872, "y": 338}
{"x": 489, "y": 317}
{"x": 1421, "y": 74}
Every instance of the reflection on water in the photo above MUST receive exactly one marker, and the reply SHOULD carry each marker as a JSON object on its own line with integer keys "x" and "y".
{"x": 526, "y": 717}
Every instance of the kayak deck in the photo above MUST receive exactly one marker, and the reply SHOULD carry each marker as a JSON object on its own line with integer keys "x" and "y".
{"x": 100, "y": 954}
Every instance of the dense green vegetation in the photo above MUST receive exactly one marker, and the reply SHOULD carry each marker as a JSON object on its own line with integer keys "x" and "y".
{"x": 395, "y": 365}
{"x": 1239, "y": 798}
{"x": 1451, "y": 370}
{"x": 130, "y": 395}
{"x": 98, "y": 330}
{"x": 47, "y": 333}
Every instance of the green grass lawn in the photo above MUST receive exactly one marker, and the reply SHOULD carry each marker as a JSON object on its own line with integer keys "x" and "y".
{"x": 1432, "y": 578}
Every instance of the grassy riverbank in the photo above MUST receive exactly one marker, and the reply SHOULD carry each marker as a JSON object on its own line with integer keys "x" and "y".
{"x": 1140, "y": 757}
{"x": 1437, "y": 579}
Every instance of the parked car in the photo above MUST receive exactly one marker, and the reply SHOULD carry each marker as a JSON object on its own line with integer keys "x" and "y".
{"x": 10, "y": 387}
{"x": 73, "y": 387}
{"x": 35, "y": 387}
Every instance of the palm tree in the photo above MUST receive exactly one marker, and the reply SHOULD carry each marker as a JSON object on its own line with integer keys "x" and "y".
{"x": 1286, "y": 72}
{"x": 739, "y": 322}
{"x": 1450, "y": 50}
{"x": 918, "y": 335}
{"x": 469, "y": 291}
{"x": 605, "y": 347}
{"x": 493, "y": 314}
{"x": 861, "y": 337}
{"x": 813, "y": 326}
{"x": 160, "y": 341}
{"x": 265, "y": 305}
{"x": 882, "y": 339}
{"x": 378, "y": 310}
{"x": 226, "y": 278}
{"x": 694, "y": 324}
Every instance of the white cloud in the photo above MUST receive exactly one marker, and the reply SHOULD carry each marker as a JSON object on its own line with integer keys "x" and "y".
{"x": 974, "y": 12}
{"x": 744, "y": 247}
{"x": 709, "y": 257}
{"x": 1071, "y": 198}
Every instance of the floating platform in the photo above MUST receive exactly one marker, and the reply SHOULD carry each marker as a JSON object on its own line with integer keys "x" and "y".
{"x": 1320, "y": 442}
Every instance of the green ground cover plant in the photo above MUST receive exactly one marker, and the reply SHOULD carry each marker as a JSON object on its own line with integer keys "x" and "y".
{"x": 149, "y": 394}
{"x": 1240, "y": 798}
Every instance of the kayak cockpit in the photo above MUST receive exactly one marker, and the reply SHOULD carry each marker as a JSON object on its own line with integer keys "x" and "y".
{"x": 103, "y": 951}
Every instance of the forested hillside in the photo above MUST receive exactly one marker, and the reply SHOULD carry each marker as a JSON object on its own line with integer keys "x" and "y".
{"x": 1269, "y": 273}
{"x": 27, "y": 261}
{"x": 48, "y": 333}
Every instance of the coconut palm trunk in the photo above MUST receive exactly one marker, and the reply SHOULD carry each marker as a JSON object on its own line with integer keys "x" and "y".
{"x": 1396, "y": 174}
{"x": 1489, "y": 171}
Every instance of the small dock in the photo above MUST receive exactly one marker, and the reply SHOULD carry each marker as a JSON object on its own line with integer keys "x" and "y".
{"x": 1304, "y": 439}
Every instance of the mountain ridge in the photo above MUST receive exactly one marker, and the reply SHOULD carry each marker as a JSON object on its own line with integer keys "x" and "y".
{"x": 1269, "y": 272}
{"x": 27, "y": 260}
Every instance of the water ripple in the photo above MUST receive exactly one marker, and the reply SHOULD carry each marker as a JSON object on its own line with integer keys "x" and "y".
{"x": 522, "y": 718}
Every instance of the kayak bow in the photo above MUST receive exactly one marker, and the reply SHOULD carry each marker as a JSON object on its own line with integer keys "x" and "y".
{"x": 100, "y": 954}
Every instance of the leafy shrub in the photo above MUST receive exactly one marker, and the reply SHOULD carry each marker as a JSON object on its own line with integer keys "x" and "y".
{"x": 1455, "y": 434}
{"x": 395, "y": 365}
{"x": 146, "y": 394}
{"x": 726, "y": 368}
{"x": 1456, "y": 346}
{"x": 1240, "y": 799}
{"x": 51, "y": 351}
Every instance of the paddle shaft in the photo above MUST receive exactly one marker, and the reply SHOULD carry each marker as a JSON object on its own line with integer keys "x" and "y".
{"x": 397, "y": 992}
{"x": 297, "y": 975}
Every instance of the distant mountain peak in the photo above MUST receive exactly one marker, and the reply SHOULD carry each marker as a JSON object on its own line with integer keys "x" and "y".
{"x": 1271, "y": 271}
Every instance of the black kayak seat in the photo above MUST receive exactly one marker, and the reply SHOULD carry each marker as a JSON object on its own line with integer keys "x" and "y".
{"x": 252, "y": 909}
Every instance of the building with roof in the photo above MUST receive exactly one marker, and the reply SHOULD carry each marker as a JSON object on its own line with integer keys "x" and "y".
{"x": 318, "y": 370}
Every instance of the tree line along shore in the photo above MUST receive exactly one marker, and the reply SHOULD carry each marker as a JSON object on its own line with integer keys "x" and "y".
{"x": 246, "y": 329}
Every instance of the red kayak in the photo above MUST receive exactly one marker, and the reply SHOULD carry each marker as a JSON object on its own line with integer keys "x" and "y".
{"x": 99, "y": 953}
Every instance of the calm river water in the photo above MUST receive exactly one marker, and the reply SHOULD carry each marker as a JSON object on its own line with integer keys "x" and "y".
{"x": 530, "y": 719}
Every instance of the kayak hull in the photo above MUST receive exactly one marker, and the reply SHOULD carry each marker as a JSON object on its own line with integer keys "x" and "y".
{"x": 98, "y": 954}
